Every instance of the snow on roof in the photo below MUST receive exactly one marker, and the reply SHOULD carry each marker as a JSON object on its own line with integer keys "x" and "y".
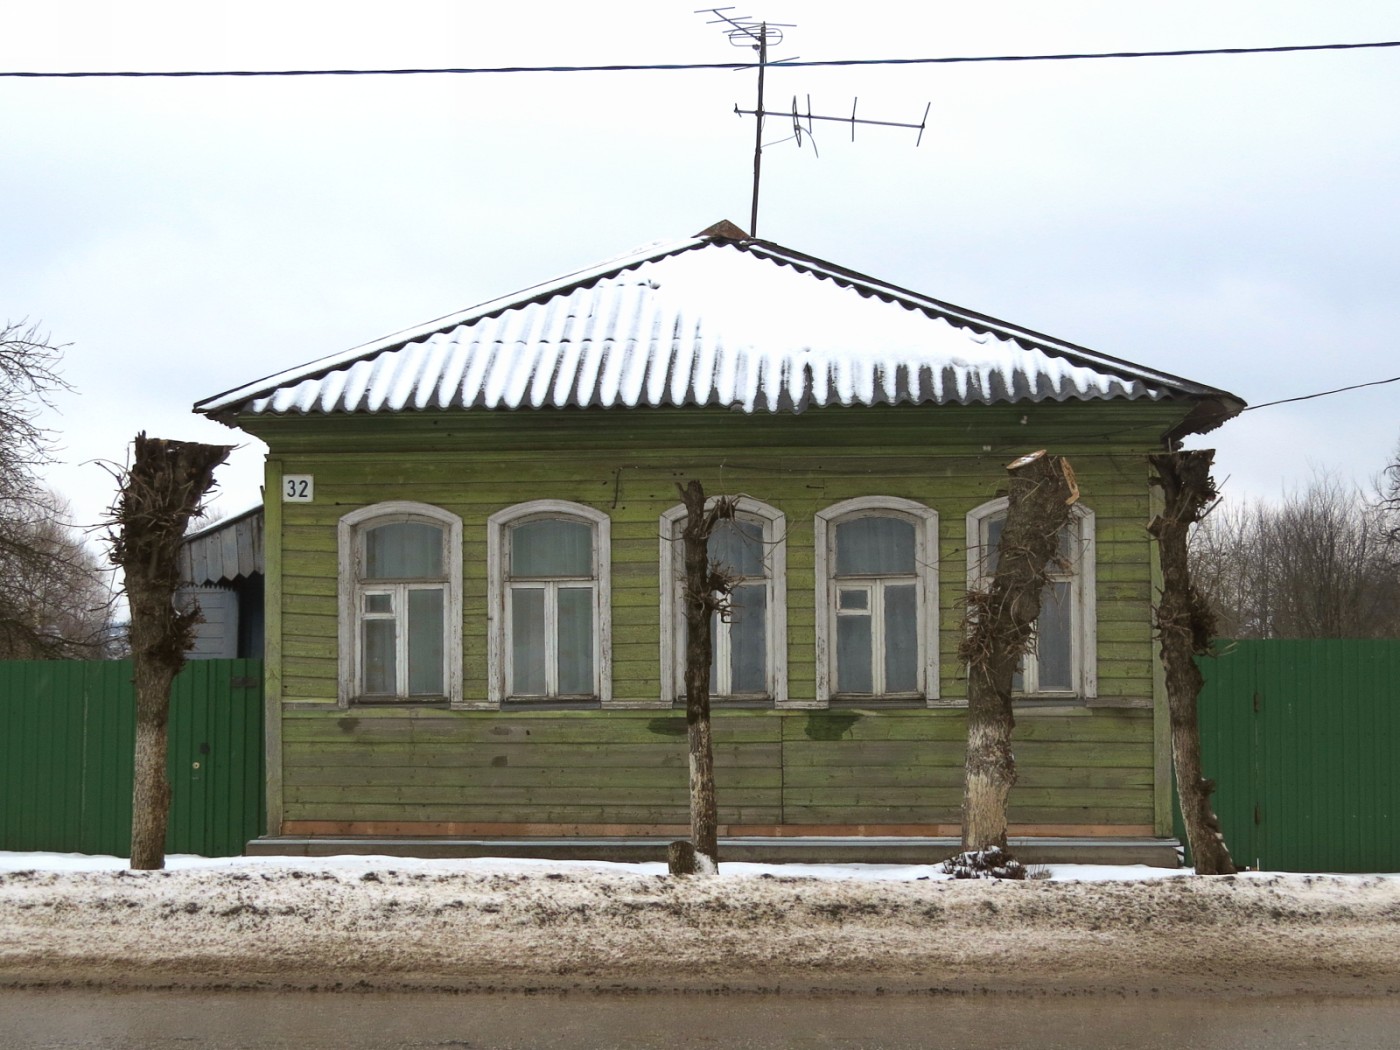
{"x": 719, "y": 319}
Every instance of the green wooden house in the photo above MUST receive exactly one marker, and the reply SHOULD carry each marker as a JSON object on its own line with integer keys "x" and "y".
{"x": 471, "y": 551}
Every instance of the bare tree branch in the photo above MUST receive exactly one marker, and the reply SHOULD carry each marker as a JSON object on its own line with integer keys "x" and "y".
{"x": 54, "y": 598}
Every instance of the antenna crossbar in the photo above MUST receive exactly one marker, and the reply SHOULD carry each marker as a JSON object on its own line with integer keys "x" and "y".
{"x": 758, "y": 34}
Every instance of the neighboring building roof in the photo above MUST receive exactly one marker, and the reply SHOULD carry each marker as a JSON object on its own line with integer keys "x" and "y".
{"x": 719, "y": 319}
{"x": 224, "y": 551}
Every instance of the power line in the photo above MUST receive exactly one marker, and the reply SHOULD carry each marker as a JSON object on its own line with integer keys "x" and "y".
{"x": 1324, "y": 393}
{"x": 668, "y": 67}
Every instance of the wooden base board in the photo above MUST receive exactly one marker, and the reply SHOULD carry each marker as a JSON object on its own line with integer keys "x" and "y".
{"x": 826, "y": 845}
{"x": 457, "y": 830}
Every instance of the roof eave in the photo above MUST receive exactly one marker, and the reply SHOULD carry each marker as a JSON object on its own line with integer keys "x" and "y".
{"x": 1207, "y": 414}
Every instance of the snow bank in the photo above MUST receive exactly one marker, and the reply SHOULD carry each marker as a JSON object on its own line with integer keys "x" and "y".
{"x": 398, "y": 923}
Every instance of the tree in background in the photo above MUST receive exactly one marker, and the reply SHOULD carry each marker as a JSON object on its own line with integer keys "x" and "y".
{"x": 1325, "y": 563}
{"x": 54, "y": 599}
{"x": 1390, "y": 496}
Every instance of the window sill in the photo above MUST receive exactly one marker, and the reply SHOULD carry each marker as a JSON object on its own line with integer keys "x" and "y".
{"x": 878, "y": 703}
{"x": 725, "y": 703}
{"x": 592, "y": 704}
{"x": 384, "y": 701}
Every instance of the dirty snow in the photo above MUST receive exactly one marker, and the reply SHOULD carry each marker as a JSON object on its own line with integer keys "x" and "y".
{"x": 388, "y": 923}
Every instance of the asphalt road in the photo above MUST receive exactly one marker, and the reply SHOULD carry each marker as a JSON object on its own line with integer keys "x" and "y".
{"x": 73, "y": 1019}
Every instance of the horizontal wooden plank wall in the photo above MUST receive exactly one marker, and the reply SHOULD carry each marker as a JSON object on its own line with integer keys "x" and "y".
{"x": 429, "y": 771}
{"x": 398, "y": 769}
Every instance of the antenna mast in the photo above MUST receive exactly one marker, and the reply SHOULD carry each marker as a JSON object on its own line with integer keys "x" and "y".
{"x": 743, "y": 31}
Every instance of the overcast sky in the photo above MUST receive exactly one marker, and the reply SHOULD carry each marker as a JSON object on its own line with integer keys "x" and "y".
{"x": 1229, "y": 219}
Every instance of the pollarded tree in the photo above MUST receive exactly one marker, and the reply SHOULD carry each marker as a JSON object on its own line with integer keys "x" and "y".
{"x": 1000, "y": 632}
{"x": 164, "y": 487}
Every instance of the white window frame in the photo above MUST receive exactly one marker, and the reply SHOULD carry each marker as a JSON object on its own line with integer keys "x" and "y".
{"x": 1084, "y": 650}
{"x": 352, "y": 588}
{"x": 925, "y": 522}
{"x": 498, "y": 648}
{"x": 671, "y": 560}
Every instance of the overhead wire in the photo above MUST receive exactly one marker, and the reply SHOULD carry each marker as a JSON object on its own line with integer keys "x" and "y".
{"x": 1324, "y": 393}
{"x": 667, "y": 67}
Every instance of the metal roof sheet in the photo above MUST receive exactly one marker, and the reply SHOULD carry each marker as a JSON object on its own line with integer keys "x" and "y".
{"x": 224, "y": 551}
{"x": 719, "y": 319}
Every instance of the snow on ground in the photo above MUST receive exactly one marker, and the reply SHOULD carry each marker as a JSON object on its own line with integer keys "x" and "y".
{"x": 878, "y": 872}
{"x": 391, "y": 922}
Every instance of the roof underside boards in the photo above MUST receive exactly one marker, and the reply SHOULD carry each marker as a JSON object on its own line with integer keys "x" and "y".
{"x": 710, "y": 321}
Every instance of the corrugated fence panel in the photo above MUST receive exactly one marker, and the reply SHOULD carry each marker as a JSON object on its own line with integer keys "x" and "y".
{"x": 1303, "y": 739}
{"x": 109, "y": 742}
{"x": 69, "y": 733}
{"x": 1227, "y": 747}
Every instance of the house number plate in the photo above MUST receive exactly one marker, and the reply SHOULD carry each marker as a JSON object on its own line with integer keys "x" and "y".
{"x": 298, "y": 488}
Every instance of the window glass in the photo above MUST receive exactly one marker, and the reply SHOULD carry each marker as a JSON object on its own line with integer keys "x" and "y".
{"x": 853, "y": 670}
{"x": 748, "y": 639}
{"x": 551, "y": 547}
{"x": 874, "y": 546}
{"x": 575, "y": 640}
{"x": 738, "y": 546}
{"x": 1053, "y": 650}
{"x": 425, "y": 637}
{"x": 528, "y": 641}
{"x": 901, "y": 639}
{"x": 853, "y": 599}
{"x": 403, "y": 550}
{"x": 381, "y": 666}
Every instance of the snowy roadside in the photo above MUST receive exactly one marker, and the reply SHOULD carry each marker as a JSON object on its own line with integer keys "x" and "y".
{"x": 387, "y": 923}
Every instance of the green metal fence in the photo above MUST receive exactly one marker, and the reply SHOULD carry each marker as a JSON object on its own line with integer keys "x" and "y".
{"x": 1303, "y": 740}
{"x": 66, "y": 748}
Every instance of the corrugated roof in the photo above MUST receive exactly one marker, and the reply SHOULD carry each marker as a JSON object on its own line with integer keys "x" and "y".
{"x": 224, "y": 551}
{"x": 718, "y": 319}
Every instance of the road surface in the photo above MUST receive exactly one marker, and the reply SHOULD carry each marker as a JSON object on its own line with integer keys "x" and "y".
{"x": 75, "y": 1019}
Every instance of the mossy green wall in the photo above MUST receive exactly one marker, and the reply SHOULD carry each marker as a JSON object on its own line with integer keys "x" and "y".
{"x": 626, "y": 463}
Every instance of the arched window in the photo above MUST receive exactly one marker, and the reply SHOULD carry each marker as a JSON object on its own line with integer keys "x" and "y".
{"x": 1064, "y": 661}
{"x": 400, "y": 585}
{"x": 749, "y": 660}
{"x": 877, "y": 617}
{"x": 549, "y": 602}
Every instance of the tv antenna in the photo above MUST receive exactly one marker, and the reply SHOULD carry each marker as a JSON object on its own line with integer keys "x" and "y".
{"x": 757, "y": 34}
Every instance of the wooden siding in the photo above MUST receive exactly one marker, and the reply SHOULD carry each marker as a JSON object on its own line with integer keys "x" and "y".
{"x": 853, "y": 770}
{"x": 1081, "y": 767}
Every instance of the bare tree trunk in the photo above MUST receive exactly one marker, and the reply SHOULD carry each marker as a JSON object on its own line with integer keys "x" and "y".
{"x": 159, "y": 493}
{"x": 1185, "y": 626}
{"x": 1000, "y": 632}
{"x": 705, "y": 591}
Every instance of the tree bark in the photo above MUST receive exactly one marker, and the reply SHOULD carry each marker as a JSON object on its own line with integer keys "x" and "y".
{"x": 1185, "y": 627}
{"x": 1000, "y": 632}
{"x": 704, "y": 592}
{"x": 159, "y": 493}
